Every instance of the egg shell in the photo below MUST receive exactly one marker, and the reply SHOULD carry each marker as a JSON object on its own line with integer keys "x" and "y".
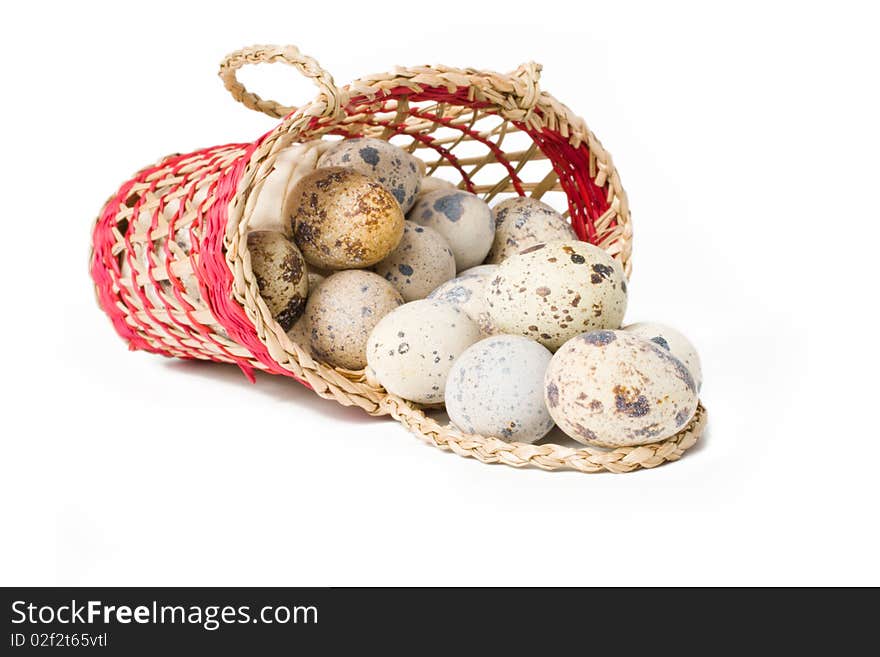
{"x": 315, "y": 279}
{"x": 392, "y": 167}
{"x": 613, "y": 388}
{"x": 300, "y": 333}
{"x": 421, "y": 262}
{"x": 281, "y": 274}
{"x": 468, "y": 292}
{"x": 553, "y": 292}
{"x": 343, "y": 220}
{"x": 412, "y": 349}
{"x": 496, "y": 388}
{"x": 341, "y": 313}
{"x": 463, "y": 219}
{"x": 432, "y": 184}
{"x": 479, "y": 269}
{"x": 523, "y": 222}
{"x": 671, "y": 339}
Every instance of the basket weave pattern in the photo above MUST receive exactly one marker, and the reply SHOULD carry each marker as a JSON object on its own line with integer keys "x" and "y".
{"x": 171, "y": 267}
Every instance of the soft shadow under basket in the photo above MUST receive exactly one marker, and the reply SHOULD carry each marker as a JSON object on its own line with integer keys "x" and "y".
{"x": 195, "y": 296}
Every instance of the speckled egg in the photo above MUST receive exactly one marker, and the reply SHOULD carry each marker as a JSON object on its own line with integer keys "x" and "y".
{"x": 300, "y": 333}
{"x": 343, "y": 220}
{"x": 496, "y": 388}
{"x": 281, "y": 274}
{"x": 668, "y": 338}
{"x": 613, "y": 388}
{"x": 522, "y": 222}
{"x": 421, "y": 262}
{"x": 315, "y": 279}
{"x": 463, "y": 219}
{"x": 468, "y": 292}
{"x": 341, "y": 313}
{"x": 411, "y": 350}
{"x": 479, "y": 269}
{"x": 392, "y": 167}
{"x": 432, "y": 184}
{"x": 553, "y": 292}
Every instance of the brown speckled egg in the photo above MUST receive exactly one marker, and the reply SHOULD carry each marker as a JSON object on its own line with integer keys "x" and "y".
{"x": 463, "y": 219}
{"x": 343, "y": 220}
{"x": 553, "y": 292}
{"x": 342, "y": 312}
{"x": 522, "y": 222}
{"x": 412, "y": 349}
{"x": 468, "y": 292}
{"x": 421, "y": 262}
{"x": 281, "y": 274}
{"x": 668, "y": 338}
{"x": 392, "y": 167}
{"x": 612, "y": 388}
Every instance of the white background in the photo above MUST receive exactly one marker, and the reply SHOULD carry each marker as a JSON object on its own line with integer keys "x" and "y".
{"x": 748, "y": 140}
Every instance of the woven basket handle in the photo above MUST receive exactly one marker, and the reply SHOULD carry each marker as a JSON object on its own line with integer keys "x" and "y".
{"x": 274, "y": 54}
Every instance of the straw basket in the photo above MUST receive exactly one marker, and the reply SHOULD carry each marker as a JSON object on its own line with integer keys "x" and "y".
{"x": 171, "y": 267}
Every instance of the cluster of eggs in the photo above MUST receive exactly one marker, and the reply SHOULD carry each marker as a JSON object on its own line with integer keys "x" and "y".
{"x": 499, "y": 313}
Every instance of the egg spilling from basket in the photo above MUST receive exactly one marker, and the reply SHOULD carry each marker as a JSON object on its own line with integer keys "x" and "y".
{"x": 393, "y": 303}
{"x": 370, "y": 268}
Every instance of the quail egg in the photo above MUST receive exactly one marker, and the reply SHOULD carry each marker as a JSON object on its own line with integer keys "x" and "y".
{"x": 463, "y": 219}
{"x": 613, "y": 388}
{"x": 390, "y": 166}
{"x": 468, "y": 292}
{"x": 412, "y": 348}
{"x": 421, "y": 262}
{"x": 432, "y": 184}
{"x": 496, "y": 388}
{"x": 668, "y": 338}
{"x": 341, "y": 313}
{"x": 522, "y": 222}
{"x": 343, "y": 220}
{"x": 552, "y": 292}
{"x": 281, "y": 274}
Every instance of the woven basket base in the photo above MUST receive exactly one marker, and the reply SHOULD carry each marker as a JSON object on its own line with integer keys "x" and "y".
{"x": 547, "y": 456}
